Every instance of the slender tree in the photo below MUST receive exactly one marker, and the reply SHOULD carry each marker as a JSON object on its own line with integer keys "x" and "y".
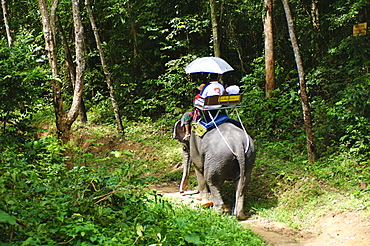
{"x": 215, "y": 35}
{"x": 304, "y": 98}
{"x": 80, "y": 62}
{"x": 108, "y": 76}
{"x": 269, "y": 48}
{"x": 52, "y": 57}
{"x": 64, "y": 120}
{"x": 315, "y": 15}
{"x": 5, "y": 16}
{"x": 133, "y": 30}
{"x": 72, "y": 69}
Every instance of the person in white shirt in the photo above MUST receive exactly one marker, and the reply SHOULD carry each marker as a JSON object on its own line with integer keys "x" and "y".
{"x": 232, "y": 87}
{"x": 213, "y": 88}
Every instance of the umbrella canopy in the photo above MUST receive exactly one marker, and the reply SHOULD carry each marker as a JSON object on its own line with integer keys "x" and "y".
{"x": 208, "y": 65}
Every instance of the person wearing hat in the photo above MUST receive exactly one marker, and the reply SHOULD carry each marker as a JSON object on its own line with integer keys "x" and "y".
{"x": 197, "y": 98}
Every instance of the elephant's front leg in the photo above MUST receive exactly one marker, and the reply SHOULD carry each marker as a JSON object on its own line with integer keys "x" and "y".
{"x": 186, "y": 168}
{"x": 203, "y": 189}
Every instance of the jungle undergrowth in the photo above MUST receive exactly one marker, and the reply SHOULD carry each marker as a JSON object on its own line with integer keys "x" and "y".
{"x": 104, "y": 200}
{"x": 284, "y": 186}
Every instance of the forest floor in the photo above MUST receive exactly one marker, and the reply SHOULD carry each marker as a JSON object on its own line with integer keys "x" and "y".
{"x": 335, "y": 229}
{"x": 349, "y": 228}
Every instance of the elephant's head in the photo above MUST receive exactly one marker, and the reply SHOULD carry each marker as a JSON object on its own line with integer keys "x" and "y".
{"x": 179, "y": 130}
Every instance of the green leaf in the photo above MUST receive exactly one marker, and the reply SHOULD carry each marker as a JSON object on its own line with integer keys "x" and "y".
{"x": 5, "y": 217}
{"x": 116, "y": 153}
{"x": 193, "y": 238}
{"x": 139, "y": 230}
{"x": 126, "y": 152}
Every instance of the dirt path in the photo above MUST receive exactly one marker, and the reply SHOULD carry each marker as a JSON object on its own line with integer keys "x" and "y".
{"x": 341, "y": 229}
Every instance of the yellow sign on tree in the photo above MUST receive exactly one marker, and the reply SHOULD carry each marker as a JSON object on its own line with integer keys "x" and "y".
{"x": 360, "y": 29}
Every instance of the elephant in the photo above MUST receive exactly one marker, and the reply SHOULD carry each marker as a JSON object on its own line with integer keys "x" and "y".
{"x": 225, "y": 153}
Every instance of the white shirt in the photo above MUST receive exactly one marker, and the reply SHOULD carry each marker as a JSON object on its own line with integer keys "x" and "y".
{"x": 213, "y": 88}
{"x": 233, "y": 89}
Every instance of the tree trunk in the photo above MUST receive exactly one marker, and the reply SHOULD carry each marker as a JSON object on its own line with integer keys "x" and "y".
{"x": 315, "y": 15}
{"x": 215, "y": 37}
{"x": 72, "y": 70}
{"x": 5, "y": 16}
{"x": 269, "y": 49}
{"x": 133, "y": 30}
{"x": 64, "y": 120}
{"x": 80, "y": 63}
{"x": 105, "y": 69}
{"x": 304, "y": 98}
{"x": 52, "y": 57}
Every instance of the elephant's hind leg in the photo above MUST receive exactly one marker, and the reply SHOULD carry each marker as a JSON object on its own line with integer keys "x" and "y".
{"x": 240, "y": 190}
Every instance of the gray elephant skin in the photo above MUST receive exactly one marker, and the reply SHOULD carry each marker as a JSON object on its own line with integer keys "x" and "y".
{"x": 223, "y": 154}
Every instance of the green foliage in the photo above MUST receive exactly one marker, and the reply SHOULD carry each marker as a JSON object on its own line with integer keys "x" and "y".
{"x": 23, "y": 78}
{"x": 341, "y": 102}
{"x": 53, "y": 205}
{"x": 275, "y": 118}
{"x": 101, "y": 201}
{"x": 189, "y": 227}
{"x": 284, "y": 164}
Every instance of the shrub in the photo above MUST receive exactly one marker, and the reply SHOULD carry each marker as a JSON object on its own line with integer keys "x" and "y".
{"x": 42, "y": 203}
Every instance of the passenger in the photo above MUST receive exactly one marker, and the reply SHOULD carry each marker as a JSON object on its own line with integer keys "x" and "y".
{"x": 232, "y": 86}
{"x": 213, "y": 88}
{"x": 191, "y": 115}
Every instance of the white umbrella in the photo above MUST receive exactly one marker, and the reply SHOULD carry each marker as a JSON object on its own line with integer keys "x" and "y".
{"x": 208, "y": 65}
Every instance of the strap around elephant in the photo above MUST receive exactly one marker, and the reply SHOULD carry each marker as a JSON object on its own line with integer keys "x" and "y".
{"x": 246, "y": 134}
{"x": 223, "y": 138}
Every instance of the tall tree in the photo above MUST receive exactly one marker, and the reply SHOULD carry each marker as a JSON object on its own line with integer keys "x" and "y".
{"x": 64, "y": 120}
{"x": 108, "y": 76}
{"x": 302, "y": 85}
{"x": 80, "y": 62}
{"x": 315, "y": 15}
{"x": 215, "y": 35}
{"x": 5, "y": 16}
{"x": 269, "y": 48}
{"x": 133, "y": 30}
{"x": 72, "y": 69}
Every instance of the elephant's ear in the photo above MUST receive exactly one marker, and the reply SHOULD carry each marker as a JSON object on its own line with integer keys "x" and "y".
{"x": 179, "y": 131}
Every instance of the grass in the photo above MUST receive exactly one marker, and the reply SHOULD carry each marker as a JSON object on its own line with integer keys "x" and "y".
{"x": 298, "y": 193}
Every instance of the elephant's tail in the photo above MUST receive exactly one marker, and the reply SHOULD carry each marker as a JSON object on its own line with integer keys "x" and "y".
{"x": 241, "y": 157}
{"x": 245, "y": 159}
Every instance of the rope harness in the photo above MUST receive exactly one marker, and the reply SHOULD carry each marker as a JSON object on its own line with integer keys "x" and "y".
{"x": 224, "y": 139}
